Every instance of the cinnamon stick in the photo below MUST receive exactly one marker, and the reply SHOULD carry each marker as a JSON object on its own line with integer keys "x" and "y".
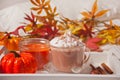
{"x": 94, "y": 70}
{"x": 101, "y": 70}
{"x": 108, "y": 70}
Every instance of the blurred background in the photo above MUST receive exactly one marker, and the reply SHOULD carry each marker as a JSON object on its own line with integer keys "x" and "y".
{"x": 12, "y": 12}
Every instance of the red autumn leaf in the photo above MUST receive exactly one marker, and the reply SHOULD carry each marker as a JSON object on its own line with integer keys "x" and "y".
{"x": 47, "y": 31}
{"x": 31, "y": 18}
{"x": 92, "y": 43}
{"x": 86, "y": 32}
{"x": 16, "y": 31}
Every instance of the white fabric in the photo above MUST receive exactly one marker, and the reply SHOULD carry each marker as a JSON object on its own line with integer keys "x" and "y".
{"x": 10, "y": 17}
{"x": 7, "y": 3}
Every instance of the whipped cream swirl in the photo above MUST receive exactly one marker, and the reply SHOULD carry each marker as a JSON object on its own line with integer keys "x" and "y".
{"x": 66, "y": 40}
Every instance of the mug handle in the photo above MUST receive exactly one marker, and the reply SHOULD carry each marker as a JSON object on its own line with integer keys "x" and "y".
{"x": 77, "y": 69}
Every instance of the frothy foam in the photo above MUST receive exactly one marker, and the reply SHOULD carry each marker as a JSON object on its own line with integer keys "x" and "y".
{"x": 66, "y": 40}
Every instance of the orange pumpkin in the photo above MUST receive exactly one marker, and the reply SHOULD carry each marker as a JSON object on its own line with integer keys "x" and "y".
{"x": 1, "y": 36}
{"x": 11, "y": 43}
{"x": 0, "y": 68}
{"x": 13, "y": 62}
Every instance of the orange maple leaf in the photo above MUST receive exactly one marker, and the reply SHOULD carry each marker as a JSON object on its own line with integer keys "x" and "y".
{"x": 40, "y": 5}
{"x": 94, "y": 12}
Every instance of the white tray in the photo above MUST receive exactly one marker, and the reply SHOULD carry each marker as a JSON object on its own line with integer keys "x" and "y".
{"x": 96, "y": 58}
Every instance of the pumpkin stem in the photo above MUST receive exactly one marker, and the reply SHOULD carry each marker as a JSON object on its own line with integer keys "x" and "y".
{"x": 8, "y": 34}
{"x": 15, "y": 53}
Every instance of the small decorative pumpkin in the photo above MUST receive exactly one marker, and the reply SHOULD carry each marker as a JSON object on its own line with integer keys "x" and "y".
{"x": 14, "y": 62}
{"x": 1, "y": 36}
{"x": 11, "y": 43}
{"x": 0, "y": 68}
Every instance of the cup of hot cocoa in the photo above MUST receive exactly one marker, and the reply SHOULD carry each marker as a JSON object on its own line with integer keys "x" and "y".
{"x": 68, "y": 53}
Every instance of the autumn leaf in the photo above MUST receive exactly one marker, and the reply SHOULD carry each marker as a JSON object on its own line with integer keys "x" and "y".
{"x": 51, "y": 14}
{"x": 94, "y": 12}
{"x": 86, "y": 31}
{"x": 34, "y": 2}
{"x": 16, "y": 31}
{"x": 28, "y": 27}
{"x": 38, "y": 1}
{"x": 91, "y": 14}
{"x": 46, "y": 31}
{"x": 94, "y": 8}
{"x": 36, "y": 9}
{"x": 100, "y": 13}
{"x": 92, "y": 43}
{"x": 86, "y": 14}
{"x": 31, "y": 18}
{"x": 46, "y": 3}
{"x": 111, "y": 23}
{"x": 40, "y": 5}
{"x": 108, "y": 35}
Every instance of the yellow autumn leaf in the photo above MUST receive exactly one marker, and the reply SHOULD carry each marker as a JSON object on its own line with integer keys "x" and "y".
{"x": 39, "y": 25}
{"x": 94, "y": 8}
{"x": 71, "y": 27}
{"x": 103, "y": 41}
{"x": 75, "y": 31}
{"x": 100, "y": 13}
{"x": 28, "y": 28}
{"x": 110, "y": 39}
{"x": 117, "y": 27}
{"x": 86, "y": 14}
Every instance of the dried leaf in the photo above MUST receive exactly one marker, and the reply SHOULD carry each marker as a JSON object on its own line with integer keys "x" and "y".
{"x": 108, "y": 35}
{"x": 28, "y": 18}
{"x": 49, "y": 8}
{"x": 33, "y": 16}
{"x": 43, "y": 1}
{"x": 104, "y": 41}
{"x": 38, "y": 1}
{"x": 111, "y": 23}
{"x": 94, "y": 8}
{"x": 34, "y": 3}
{"x": 86, "y": 31}
{"x": 47, "y": 3}
{"x": 56, "y": 14}
{"x": 39, "y": 12}
{"x": 41, "y": 19}
{"x": 28, "y": 28}
{"x": 110, "y": 39}
{"x": 92, "y": 43}
{"x": 16, "y": 31}
{"x": 35, "y": 8}
{"x": 54, "y": 9}
{"x": 117, "y": 28}
{"x": 86, "y": 14}
{"x": 46, "y": 31}
{"x": 75, "y": 31}
{"x": 100, "y": 13}
{"x": 60, "y": 27}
